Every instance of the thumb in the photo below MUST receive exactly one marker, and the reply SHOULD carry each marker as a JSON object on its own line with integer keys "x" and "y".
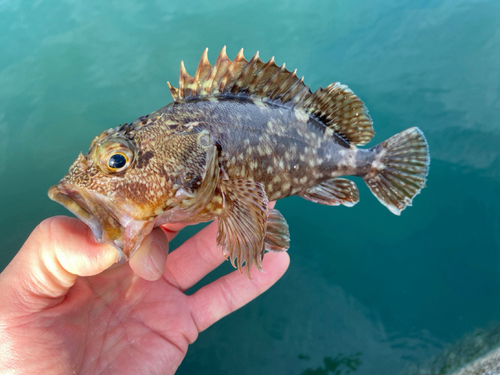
{"x": 58, "y": 251}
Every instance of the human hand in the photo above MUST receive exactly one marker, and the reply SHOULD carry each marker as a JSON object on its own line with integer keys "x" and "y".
{"x": 63, "y": 311}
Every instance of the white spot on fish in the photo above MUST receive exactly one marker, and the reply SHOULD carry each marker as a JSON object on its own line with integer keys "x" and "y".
{"x": 276, "y": 179}
{"x": 259, "y": 103}
{"x": 378, "y": 165}
{"x": 191, "y": 125}
{"x": 301, "y": 115}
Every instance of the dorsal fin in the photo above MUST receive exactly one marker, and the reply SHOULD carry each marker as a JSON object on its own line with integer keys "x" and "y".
{"x": 336, "y": 106}
{"x": 341, "y": 110}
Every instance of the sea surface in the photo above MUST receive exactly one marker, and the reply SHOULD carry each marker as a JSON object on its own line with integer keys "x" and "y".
{"x": 367, "y": 292}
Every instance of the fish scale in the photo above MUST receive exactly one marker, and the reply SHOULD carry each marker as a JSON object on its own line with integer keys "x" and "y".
{"x": 238, "y": 135}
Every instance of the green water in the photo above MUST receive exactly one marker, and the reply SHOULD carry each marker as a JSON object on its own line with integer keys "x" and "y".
{"x": 366, "y": 292}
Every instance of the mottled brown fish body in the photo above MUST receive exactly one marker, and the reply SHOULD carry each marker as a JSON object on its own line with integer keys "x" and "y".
{"x": 238, "y": 134}
{"x": 285, "y": 150}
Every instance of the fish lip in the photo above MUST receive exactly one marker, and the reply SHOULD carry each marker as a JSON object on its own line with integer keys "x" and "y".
{"x": 74, "y": 200}
{"x": 125, "y": 235}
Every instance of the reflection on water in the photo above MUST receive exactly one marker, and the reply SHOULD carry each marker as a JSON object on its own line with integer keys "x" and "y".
{"x": 338, "y": 365}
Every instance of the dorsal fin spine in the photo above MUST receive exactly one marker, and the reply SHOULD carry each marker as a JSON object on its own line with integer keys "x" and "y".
{"x": 279, "y": 91}
{"x": 219, "y": 70}
{"x": 186, "y": 82}
{"x": 273, "y": 80}
{"x": 268, "y": 86}
{"x": 182, "y": 78}
{"x": 256, "y": 71}
{"x": 173, "y": 91}
{"x": 260, "y": 89}
{"x": 200, "y": 75}
{"x": 291, "y": 92}
{"x": 246, "y": 73}
{"x": 213, "y": 71}
{"x": 307, "y": 102}
{"x": 232, "y": 69}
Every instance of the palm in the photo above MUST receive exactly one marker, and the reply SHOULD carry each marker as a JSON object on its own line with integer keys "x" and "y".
{"x": 135, "y": 324}
{"x": 117, "y": 322}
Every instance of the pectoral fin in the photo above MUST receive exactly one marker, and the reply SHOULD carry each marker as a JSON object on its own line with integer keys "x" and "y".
{"x": 242, "y": 224}
{"x": 333, "y": 193}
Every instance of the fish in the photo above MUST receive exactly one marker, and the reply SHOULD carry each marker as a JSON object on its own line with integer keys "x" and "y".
{"x": 238, "y": 135}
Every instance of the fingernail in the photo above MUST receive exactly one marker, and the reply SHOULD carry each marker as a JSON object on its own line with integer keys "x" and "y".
{"x": 157, "y": 253}
{"x": 92, "y": 238}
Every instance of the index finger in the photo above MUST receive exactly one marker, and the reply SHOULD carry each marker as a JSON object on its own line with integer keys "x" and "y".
{"x": 172, "y": 229}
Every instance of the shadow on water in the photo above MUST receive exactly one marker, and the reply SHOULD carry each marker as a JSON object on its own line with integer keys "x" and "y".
{"x": 338, "y": 365}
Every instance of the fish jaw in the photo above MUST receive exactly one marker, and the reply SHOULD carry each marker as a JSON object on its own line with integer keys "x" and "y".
{"x": 108, "y": 224}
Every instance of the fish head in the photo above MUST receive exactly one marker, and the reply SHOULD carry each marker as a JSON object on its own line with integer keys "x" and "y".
{"x": 130, "y": 178}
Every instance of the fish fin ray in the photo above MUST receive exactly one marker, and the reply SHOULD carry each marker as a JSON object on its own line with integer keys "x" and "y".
{"x": 333, "y": 192}
{"x": 399, "y": 169}
{"x": 277, "y": 234}
{"x": 242, "y": 223}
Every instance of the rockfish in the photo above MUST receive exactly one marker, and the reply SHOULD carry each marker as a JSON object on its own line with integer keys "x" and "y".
{"x": 237, "y": 135}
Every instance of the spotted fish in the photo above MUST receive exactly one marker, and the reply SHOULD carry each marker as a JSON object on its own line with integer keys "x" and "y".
{"x": 237, "y": 135}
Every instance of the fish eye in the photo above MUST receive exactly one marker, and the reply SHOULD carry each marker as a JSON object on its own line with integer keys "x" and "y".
{"x": 117, "y": 161}
{"x": 115, "y": 155}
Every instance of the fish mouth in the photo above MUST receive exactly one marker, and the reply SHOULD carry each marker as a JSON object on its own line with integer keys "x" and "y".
{"x": 105, "y": 227}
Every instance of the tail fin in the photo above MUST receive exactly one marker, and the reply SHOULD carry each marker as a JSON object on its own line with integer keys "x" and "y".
{"x": 399, "y": 169}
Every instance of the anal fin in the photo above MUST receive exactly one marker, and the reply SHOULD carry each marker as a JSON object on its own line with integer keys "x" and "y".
{"x": 277, "y": 234}
{"x": 333, "y": 192}
{"x": 242, "y": 224}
